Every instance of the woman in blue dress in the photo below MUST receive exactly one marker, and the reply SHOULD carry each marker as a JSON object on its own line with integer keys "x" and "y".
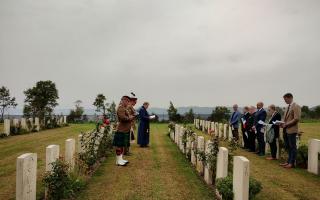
{"x": 144, "y": 126}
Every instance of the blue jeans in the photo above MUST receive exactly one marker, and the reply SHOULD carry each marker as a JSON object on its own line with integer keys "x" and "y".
{"x": 292, "y": 148}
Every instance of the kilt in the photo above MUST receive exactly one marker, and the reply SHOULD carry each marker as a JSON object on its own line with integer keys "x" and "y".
{"x": 119, "y": 139}
{"x": 127, "y": 139}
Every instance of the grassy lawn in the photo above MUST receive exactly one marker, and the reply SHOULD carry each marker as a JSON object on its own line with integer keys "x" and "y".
{"x": 157, "y": 172}
{"x": 14, "y": 146}
{"x": 310, "y": 131}
{"x": 279, "y": 183}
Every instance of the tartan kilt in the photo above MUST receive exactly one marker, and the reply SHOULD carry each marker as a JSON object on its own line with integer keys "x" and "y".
{"x": 119, "y": 139}
{"x": 127, "y": 139}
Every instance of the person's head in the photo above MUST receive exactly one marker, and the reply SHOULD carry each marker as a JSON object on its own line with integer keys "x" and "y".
{"x": 252, "y": 109}
{"x": 288, "y": 98}
{"x": 246, "y": 109}
{"x": 133, "y": 101}
{"x": 146, "y": 105}
{"x": 259, "y": 105}
{"x": 271, "y": 108}
{"x": 125, "y": 101}
{"x": 235, "y": 107}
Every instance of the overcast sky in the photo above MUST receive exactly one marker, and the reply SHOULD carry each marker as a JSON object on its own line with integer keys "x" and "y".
{"x": 193, "y": 52}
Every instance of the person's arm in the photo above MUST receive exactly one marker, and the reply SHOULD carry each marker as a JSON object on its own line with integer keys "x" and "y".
{"x": 144, "y": 115}
{"x": 235, "y": 120}
{"x": 296, "y": 117}
{"x": 122, "y": 115}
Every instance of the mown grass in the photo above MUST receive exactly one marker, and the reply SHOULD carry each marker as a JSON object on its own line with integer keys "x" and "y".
{"x": 279, "y": 183}
{"x": 310, "y": 131}
{"x": 14, "y": 146}
{"x": 157, "y": 172}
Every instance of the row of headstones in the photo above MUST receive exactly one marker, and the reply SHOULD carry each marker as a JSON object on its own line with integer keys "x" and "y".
{"x": 313, "y": 144}
{"x": 23, "y": 123}
{"x": 26, "y": 171}
{"x": 219, "y": 129}
{"x": 240, "y": 167}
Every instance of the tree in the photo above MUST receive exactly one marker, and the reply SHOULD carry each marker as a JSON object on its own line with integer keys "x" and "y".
{"x": 100, "y": 104}
{"x": 6, "y": 101}
{"x": 173, "y": 113}
{"x": 112, "y": 112}
{"x": 189, "y": 116}
{"x": 220, "y": 114}
{"x": 41, "y": 99}
{"x": 305, "y": 112}
{"x": 76, "y": 114}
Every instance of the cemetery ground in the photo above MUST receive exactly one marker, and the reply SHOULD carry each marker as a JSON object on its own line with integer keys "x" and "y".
{"x": 157, "y": 172}
{"x": 14, "y": 146}
{"x": 279, "y": 183}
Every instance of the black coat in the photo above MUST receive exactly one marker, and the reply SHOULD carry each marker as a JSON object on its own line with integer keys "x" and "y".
{"x": 276, "y": 128}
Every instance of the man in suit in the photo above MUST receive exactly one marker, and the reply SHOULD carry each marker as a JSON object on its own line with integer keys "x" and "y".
{"x": 234, "y": 122}
{"x": 275, "y": 116}
{"x": 244, "y": 120}
{"x": 290, "y": 129}
{"x": 249, "y": 128}
{"x": 260, "y": 118}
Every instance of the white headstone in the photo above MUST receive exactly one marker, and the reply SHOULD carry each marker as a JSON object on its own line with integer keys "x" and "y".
{"x": 7, "y": 126}
{"x": 37, "y": 123}
{"x": 181, "y": 144}
{"x": 241, "y": 172}
{"x": 64, "y": 119}
{"x": 220, "y": 130}
{"x": 31, "y": 122}
{"x": 52, "y": 154}
{"x": 26, "y": 177}
{"x": 203, "y": 126}
{"x": 313, "y": 153}
{"x": 188, "y": 145}
{"x": 230, "y": 134}
{"x": 70, "y": 152}
{"x": 222, "y": 163}
{"x": 225, "y": 126}
{"x": 194, "y": 146}
{"x": 207, "y": 172}
{"x": 24, "y": 123}
{"x": 200, "y": 149}
{"x": 15, "y": 122}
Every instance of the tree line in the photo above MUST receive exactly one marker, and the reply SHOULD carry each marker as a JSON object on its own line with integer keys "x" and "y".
{"x": 41, "y": 100}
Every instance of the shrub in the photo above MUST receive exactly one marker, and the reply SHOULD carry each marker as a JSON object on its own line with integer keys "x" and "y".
{"x": 302, "y": 156}
{"x": 59, "y": 183}
{"x": 225, "y": 185}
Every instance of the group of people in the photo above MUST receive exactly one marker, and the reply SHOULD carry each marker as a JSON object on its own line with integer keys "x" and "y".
{"x": 126, "y": 126}
{"x": 254, "y": 125}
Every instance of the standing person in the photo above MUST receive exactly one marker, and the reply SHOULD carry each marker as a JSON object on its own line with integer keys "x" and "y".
{"x": 123, "y": 128}
{"x": 144, "y": 126}
{"x": 275, "y": 116}
{"x": 249, "y": 128}
{"x": 133, "y": 112}
{"x": 260, "y": 119}
{"x": 290, "y": 129}
{"x": 234, "y": 122}
{"x": 244, "y": 119}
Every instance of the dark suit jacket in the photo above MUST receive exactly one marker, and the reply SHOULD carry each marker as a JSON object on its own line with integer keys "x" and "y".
{"x": 245, "y": 117}
{"x": 276, "y": 128}
{"x": 260, "y": 115}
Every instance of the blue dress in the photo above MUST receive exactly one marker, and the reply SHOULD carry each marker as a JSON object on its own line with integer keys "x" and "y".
{"x": 144, "y": 127}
